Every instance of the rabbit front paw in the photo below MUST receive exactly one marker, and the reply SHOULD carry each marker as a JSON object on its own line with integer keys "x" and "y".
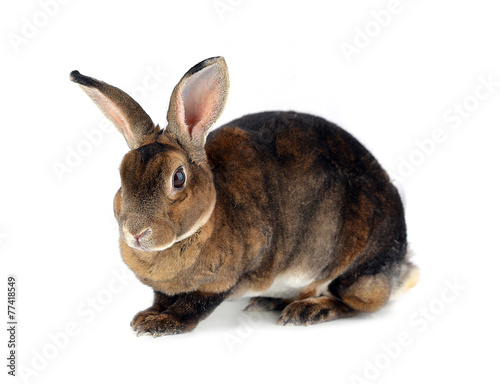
{"x": 159, "y": 324}
{"x": 140, "y": 316}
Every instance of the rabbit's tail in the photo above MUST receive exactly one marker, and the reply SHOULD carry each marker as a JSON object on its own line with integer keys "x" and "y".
{"x": 406, "y": 279}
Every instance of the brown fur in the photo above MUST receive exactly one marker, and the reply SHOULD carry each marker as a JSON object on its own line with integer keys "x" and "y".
{"x": 314, "y": 310}
{"x": 277, "y": 203}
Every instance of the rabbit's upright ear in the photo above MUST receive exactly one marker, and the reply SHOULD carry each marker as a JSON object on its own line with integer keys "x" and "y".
{"x": 197, "y": 102}
{"x": 123, "y": 111}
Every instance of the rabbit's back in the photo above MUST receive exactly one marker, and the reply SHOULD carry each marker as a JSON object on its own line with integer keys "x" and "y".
{"x": 288, "y": 138}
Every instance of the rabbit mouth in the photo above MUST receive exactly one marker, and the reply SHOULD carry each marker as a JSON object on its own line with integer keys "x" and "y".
{"x": 142, "y": 245}
{"x": 136, "y": 244}
{"x": 145, "y": 241}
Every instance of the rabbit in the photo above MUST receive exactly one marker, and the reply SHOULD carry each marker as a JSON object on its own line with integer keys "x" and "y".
{"x": 284, "y": 208}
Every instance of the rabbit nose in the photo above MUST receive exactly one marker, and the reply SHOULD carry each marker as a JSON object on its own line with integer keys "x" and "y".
{"x": 141, "y": 235}
{"x": 136, "y": 238}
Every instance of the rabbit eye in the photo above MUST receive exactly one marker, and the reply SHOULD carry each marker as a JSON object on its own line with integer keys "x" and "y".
{"x": 179, "y": 178}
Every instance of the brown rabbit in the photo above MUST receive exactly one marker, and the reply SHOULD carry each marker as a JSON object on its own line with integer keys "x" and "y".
{"x": 284, "y": 207}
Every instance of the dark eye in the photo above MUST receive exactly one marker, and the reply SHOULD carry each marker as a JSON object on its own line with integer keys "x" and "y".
{"x": 179, "y": 178}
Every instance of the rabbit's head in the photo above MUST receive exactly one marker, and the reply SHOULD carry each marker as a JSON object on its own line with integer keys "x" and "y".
{"x": 167, "y": 190}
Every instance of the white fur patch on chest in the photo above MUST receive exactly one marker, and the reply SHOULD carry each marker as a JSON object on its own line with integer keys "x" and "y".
{"x": 284, "y": 286}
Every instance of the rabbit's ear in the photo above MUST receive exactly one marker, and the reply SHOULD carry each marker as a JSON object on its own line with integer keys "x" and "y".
{"x": 123, "y": 111}
{"x": 197, "y": 102}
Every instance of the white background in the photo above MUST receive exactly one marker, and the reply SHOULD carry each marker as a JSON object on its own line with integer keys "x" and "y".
{"x": 396, "y": 89}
